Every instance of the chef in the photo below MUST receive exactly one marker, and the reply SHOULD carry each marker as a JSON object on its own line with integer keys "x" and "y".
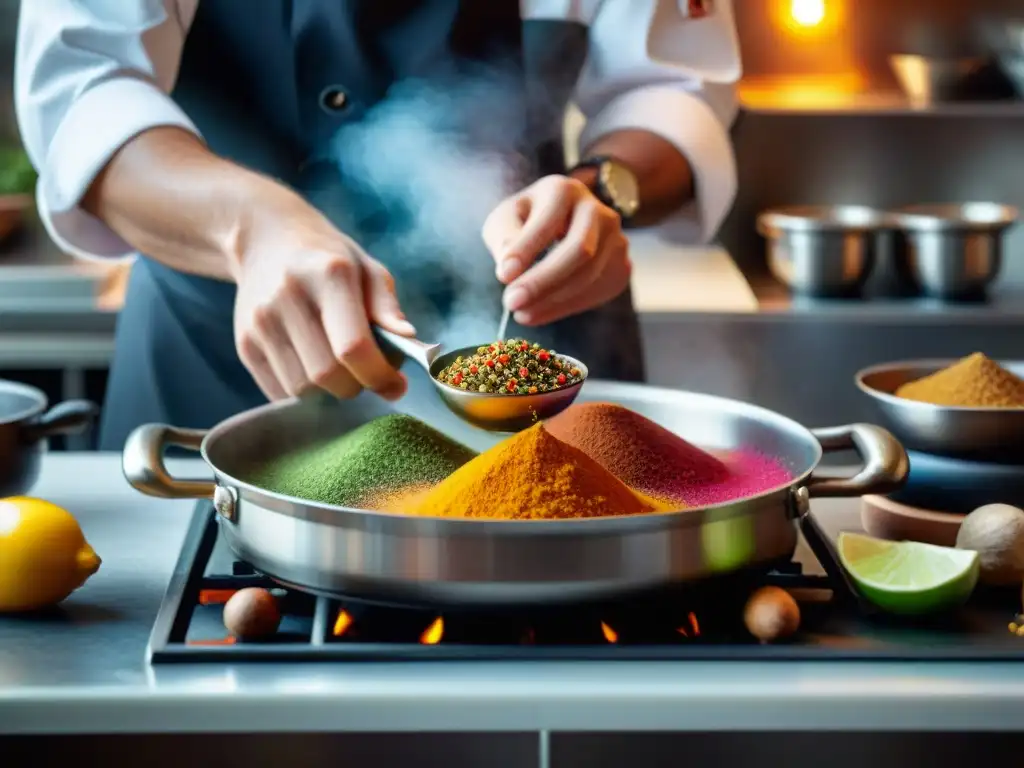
{"x": 238, "y": 146}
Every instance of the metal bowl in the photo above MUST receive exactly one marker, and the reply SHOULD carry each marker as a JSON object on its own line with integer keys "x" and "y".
{"x": 928, "y": 80}
{"x": 822, "y": 251}
{"x": 952, "y": 251}
{"x": 1012, "y": 66}
{"x": 1004, "y": 36}
{"x": 990, "y": 434}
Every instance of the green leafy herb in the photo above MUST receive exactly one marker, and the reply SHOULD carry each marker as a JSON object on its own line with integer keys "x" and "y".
{"x": 17, "y": 176}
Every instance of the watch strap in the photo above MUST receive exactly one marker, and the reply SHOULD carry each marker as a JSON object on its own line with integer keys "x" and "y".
{"x": 600, "y": 190}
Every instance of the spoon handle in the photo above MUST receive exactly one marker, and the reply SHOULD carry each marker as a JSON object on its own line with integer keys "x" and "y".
{"x": 503, "y": 325}
{"x": 420, "y": 352}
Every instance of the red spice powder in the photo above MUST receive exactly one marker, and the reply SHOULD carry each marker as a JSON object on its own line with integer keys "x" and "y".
{"x": 639, "y": 452}
{"x": 659, "y": 463}
{"x": 750, "y": 473}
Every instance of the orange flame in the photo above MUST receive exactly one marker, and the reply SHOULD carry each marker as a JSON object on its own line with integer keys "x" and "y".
{"x": 342, "y": 623}
{"x": 432, "y": 635}
{"x": 215, "y": 596}
{"x": 229, "y": 640}
{"x": 694, "y": 626}
{"x": 609, "y": 634}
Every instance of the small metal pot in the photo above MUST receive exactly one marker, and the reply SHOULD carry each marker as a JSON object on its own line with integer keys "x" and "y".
{"x": 25, "y": 426}
{"x": 822, "y": 251}
{"x": 951, "y": 251}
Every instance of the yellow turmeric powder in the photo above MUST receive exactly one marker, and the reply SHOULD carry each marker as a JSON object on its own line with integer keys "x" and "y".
{"x": 974, "y": 382}
{"x": 531, "y": 475}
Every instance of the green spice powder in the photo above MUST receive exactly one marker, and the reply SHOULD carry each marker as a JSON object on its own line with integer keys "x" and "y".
{"x": 387, "y": 454}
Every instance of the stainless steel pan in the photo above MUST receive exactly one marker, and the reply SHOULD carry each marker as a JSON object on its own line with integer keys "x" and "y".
{"x": 356, "y": 553}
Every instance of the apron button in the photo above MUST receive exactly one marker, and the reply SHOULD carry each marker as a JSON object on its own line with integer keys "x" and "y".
{"x": 333, "y": 99}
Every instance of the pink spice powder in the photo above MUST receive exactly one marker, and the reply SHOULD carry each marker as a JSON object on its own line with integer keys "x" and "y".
{"x": 750, "y": 473}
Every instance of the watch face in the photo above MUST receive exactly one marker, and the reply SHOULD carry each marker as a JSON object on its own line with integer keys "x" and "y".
{"x": 622, "y": 188}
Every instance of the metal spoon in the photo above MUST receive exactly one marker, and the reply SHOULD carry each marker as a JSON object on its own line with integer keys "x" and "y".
{"x": 486, "y": 410}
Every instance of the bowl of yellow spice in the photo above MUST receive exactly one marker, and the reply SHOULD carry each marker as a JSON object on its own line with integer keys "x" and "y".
{"x": 971, "y": 407}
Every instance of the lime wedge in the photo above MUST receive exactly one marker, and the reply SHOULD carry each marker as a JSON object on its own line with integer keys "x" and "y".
{"x": 908, "y": 577}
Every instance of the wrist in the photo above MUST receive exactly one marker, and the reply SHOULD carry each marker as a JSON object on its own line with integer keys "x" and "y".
{"x": 612, "y": 182}
{"x": 263, "y": 207}
{"x": 586, "y": 175}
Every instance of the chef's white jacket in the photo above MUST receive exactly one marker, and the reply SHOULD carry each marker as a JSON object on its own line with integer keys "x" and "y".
{"x": 92, "y": 74}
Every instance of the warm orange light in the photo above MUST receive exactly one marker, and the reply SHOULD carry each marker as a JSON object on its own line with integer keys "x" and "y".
{"x": 694, "y": 623}
{"x": 432, "y": 635}
{"x": 609, "y": 634}
{"x": 694, "y": 626}
{"x": 342, "y": 623}
{"x": 215, "y": 596}
{"x": 229, "y": 640}
{"x": 807, "y": 13}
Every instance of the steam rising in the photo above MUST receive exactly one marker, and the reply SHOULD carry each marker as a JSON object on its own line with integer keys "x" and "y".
{"x": 433, "y": 160}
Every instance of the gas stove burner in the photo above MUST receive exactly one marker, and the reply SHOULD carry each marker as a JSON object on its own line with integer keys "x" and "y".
{"x": 689, "y": 623}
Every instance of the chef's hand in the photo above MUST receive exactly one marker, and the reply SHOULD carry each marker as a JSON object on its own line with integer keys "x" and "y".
{"x": 587, "y": 268}
{"x": 306, "y": 297}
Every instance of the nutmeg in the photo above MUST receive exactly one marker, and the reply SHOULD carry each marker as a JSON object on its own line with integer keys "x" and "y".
{"x": 251, "y": 613}
{"x": 771, "y": 614}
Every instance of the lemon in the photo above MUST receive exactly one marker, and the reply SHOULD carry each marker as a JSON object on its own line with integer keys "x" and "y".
{"x": 906, "y": 576}
{"x": 44, "y": 556}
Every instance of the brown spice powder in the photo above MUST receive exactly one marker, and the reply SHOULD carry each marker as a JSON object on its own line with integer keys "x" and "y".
{"x": 975, "y": 381}
{"x": 641, "y": 453}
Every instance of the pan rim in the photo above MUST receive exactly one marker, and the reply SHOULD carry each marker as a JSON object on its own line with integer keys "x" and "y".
{"x": 604, "y": 525}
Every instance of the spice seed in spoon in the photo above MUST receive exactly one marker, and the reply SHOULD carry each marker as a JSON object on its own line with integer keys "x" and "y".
{"x": 511, "y": 367}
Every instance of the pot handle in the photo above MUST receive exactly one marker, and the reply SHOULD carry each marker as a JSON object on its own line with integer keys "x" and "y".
{"x": 142, "y": 462}
{"x": 67, "y": 418}
{"x": 885, "y": 461}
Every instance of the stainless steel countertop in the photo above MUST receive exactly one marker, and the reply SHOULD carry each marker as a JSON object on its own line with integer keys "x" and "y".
{"x": 84, "y": 670}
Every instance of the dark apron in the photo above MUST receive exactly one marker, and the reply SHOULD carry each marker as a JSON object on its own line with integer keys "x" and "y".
{"x": 300, "y": 90}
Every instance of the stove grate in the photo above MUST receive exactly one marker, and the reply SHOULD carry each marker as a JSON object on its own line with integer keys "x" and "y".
{"x": 189, "y": 627}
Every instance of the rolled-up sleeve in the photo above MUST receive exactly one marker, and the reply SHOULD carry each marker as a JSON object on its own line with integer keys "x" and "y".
{"x": 653, "y": 66}
{"x": 90, "y": 75}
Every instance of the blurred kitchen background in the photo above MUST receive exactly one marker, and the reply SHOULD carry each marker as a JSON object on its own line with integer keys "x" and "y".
{"x": 825, "y": 120}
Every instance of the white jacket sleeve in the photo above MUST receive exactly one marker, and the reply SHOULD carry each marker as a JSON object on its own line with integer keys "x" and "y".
{"x": 652, "y": 66}
{"x": 89, "y": 76}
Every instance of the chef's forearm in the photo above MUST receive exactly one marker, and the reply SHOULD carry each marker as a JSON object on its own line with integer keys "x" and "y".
{"x": 171, "y": 198}
{"x": 663, "y": 173}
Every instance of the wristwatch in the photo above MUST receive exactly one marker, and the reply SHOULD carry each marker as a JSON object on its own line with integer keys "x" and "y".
{"x": 616, "y": 186}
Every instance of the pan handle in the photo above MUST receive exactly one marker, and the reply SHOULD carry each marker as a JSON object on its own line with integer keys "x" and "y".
{"x": 885, "y": 461}
{"x": 142, "y": 462}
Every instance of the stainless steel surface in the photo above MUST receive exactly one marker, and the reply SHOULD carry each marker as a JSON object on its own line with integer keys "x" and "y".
{"x": 929, "y": 80}
{"x": 995, "y": 433}
{"x": 82, "y": 669}
{"x": 952, "y": 251}
{"x": 338, "y": 550}
{"x": 493, "y": 412}
{"x": 25, "y": 427}
{"x": 822, "y": 250}
{"x": 420, "y": 352}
